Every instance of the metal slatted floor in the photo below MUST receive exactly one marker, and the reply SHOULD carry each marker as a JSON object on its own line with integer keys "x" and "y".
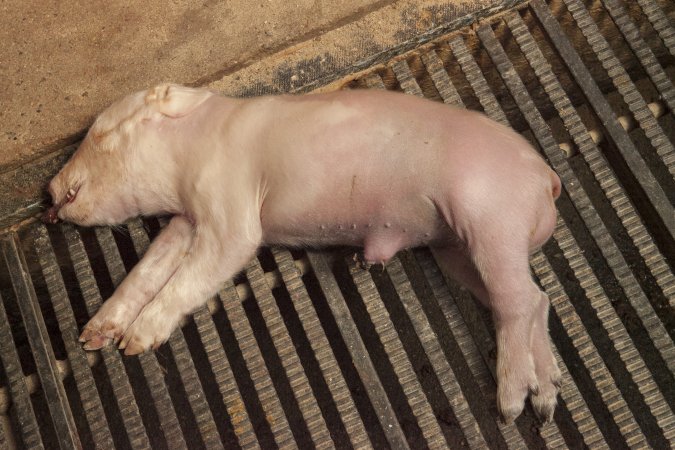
{"x": 304, "y": 350}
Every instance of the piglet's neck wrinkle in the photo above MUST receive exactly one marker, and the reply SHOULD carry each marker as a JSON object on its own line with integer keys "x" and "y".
{"x": 156, "y": 185}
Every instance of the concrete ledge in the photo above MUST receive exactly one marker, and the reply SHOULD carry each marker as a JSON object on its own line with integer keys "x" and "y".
{"x": 374, "y": 39}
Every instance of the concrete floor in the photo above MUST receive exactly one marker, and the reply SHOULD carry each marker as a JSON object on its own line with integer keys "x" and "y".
{"x": 63, "y": 62}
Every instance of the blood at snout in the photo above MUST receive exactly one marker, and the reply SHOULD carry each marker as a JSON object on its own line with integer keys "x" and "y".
{"x": 50, "y": 216}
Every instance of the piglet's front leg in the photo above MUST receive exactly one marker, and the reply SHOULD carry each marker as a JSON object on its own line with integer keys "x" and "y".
{"x": 141, "y": 285}
{"x": 215, "y": 256}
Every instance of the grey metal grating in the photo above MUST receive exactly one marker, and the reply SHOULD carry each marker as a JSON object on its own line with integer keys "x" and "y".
{"x": 661, "y": 23}
{"x": 305, "y": 350}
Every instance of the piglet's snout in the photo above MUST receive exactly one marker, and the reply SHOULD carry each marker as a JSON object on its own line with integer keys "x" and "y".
{"x": 51, "y": 215}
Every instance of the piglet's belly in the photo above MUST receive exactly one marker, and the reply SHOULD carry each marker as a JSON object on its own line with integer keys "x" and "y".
{"x": 384, "y": 232}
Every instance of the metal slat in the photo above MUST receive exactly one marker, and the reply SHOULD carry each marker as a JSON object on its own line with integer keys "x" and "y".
{"x": 617, "y": 333}
{"x": 227, "y": 386}
{"x": 297, "y": 379}
{"x": 112, "y": 360}
{"x": 84, "y": 378}
{"x": 604, "y": 111}
{"x": 38, "y": 338}
{"x": 651, "y": 65}
{"x": 468, "y": 344}
{"x": 322, "y": 350}
{"x": 374, "y": 81}
{"x": 152, "y": 371}
{"x": 357, "y": 350}
{"x": 441, "y": 79}
{"x": 574, "y": 328}
{"x": 596, "y": 162}
{"x": 183, "y": 358}
{"x": 623, "y": 84}
{"x": 477, "y": 81}
{"x": 274, "y": 413}
{"x": 432, "y": 348}
{"x": 3, "y": 438}
{"x": 587, "y": 426}
{"x": 402, "y": 366}
{"x": 660, "y": 22}
{"x": 449, "y": 385}
{"x": 193, "y": 389}
{"x": 578, "y": 409}
{"x": 21, "y": 404}
{"x": 406, "y": 79}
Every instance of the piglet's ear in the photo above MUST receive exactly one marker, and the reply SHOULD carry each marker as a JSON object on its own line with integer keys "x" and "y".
{"x": 174, "y": 100}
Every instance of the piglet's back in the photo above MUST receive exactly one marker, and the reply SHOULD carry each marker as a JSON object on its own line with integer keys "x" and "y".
{"x": 333, "y": 158}
{"x": 387, "y": 140}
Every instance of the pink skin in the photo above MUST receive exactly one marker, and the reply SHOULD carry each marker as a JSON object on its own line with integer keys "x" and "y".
{"x": 380, "y": 170}
{"x": 140, "y": 286}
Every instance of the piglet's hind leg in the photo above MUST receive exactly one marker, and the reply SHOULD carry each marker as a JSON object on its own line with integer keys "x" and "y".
{"x": 456, "y": 264}
{"x": 546, "y": 366}
{"x": 140, "y": 286}
{"x": 502, "y": 262}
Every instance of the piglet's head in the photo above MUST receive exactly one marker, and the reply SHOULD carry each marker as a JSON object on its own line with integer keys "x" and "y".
{"x": 109, "y": 178}
{"x": 89, "y": 189}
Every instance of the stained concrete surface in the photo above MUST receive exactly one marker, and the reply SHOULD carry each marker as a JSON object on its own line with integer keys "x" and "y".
{"x": 61, "y": 62}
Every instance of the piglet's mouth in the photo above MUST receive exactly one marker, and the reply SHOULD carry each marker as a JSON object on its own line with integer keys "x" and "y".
{"x": 51, "y": 215}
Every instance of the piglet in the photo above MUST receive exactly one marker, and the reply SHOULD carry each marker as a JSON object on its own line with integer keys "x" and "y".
{"x": 383, "y": 171}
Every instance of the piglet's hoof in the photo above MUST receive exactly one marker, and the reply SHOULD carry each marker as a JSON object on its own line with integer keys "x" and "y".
{"x": 517, "y": 381}
{"x": 132, "y": 347}
{"x": 545, "y": 401}
{"x": 94, "y": 340}
{"x": 97, "y": 335}
{"x": 152, "y": 328}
